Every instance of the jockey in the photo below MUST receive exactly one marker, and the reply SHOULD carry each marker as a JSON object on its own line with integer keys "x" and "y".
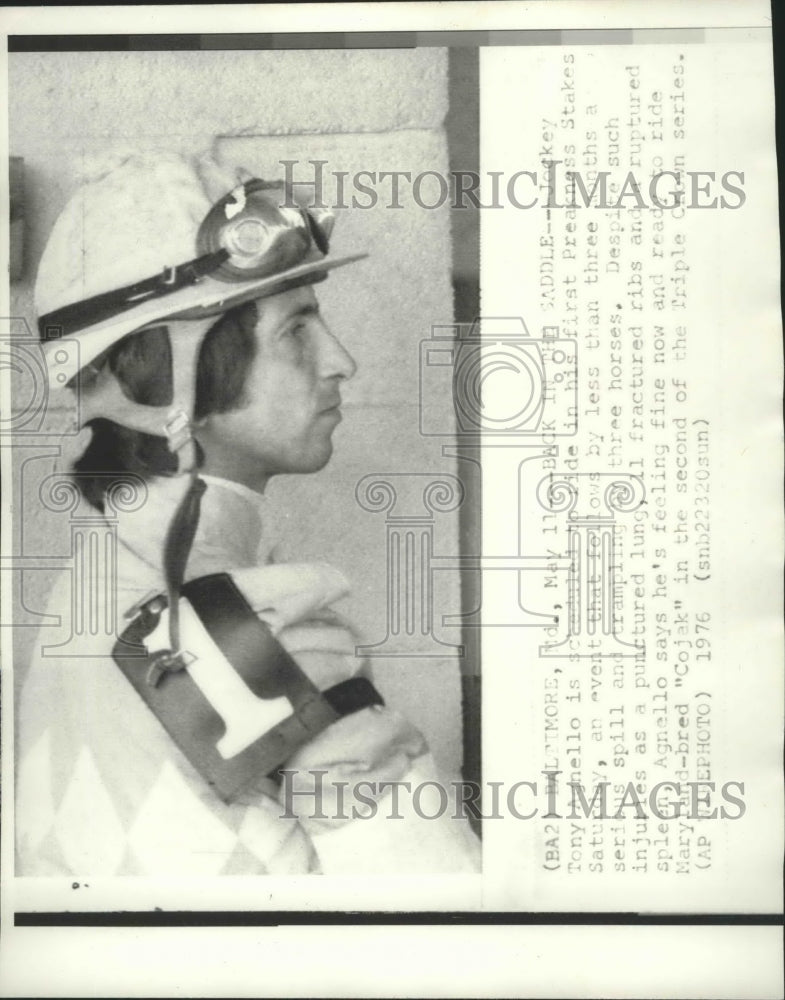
{"x": 225, "y": 725}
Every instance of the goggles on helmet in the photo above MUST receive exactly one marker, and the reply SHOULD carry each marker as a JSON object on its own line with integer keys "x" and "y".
{"x": 255, "y": 231}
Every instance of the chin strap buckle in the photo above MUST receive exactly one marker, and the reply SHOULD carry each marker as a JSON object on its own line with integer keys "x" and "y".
{"x": 179, "y": 430}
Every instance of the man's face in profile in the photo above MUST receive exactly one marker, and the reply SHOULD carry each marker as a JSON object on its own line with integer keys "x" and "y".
{"x": 291, "y": 398}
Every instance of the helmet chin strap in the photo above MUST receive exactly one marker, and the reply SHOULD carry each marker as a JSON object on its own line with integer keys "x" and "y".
{"x": 105, "y": 398}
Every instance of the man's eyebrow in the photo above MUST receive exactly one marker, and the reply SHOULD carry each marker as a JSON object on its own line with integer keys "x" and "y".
{"x": 307, "y": 309}
{"x": 300, "y": 312}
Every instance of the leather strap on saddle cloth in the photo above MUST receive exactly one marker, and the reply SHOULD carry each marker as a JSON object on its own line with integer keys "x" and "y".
{"x": 234, "y": 701}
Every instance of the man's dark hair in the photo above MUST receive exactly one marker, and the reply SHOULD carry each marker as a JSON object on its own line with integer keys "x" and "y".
{"x": 142, "y": 364}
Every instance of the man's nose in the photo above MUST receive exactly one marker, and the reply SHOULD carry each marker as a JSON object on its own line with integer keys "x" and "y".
{"x": 334, "y": 360}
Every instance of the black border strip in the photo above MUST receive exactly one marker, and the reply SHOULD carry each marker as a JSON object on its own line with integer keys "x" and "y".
{"x": 254, "y": 918}
{"x": 340, "y": 39}
{"x": 462, "y": 128}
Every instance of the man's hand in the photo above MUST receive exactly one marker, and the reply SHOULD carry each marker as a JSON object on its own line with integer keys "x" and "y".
{"x": 373, "y": 746}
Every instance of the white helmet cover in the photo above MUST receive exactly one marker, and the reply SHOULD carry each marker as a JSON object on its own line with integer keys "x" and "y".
{"x": 147, "y": 241}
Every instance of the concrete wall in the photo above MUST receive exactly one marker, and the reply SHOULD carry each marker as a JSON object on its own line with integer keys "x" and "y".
{"x": 374, "y": 110}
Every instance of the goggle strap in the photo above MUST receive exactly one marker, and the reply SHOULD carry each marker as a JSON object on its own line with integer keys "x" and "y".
{"x": 98, "y": 308}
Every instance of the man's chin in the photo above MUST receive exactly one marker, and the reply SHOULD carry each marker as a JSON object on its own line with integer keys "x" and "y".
{"x": 323, "y": 461}
{"x": 303, "y": 461}
{"x": 317, "y": 461}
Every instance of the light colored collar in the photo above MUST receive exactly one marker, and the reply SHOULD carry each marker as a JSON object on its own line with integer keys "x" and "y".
{"x": 229, "y": 534}
{"x": 251, "y": 496}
